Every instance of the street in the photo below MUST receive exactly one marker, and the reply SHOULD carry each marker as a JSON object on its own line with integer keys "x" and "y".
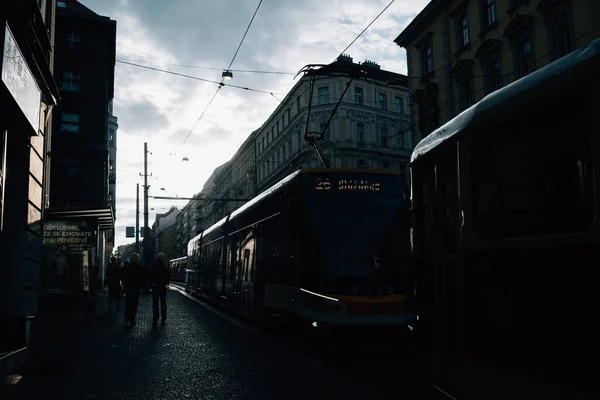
{"x": 200, "y": 353}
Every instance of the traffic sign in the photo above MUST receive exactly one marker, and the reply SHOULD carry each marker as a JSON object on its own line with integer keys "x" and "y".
{"x": 130, "y": 231}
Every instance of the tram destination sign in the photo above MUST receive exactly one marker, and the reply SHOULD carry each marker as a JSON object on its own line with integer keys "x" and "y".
{"x": 347, "y": 185}
{"x": 19, "y": 81}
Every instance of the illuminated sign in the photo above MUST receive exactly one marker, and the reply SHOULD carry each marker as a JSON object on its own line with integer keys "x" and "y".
{"x": 19, "y": 81}
{"x": 346, "y": 185}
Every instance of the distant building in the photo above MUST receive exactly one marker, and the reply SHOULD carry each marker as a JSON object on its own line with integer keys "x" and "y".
{"x": 371, "y": 128}
{"x": 113, "y": 126}
{"x": 28, "y": 94}
{"x": 164, "y": 234}
{"x": 213, "y": 188}
{"x": 459, "y": 51}
{"x": 189, "y": 223}
{"x": 80, "y": 175}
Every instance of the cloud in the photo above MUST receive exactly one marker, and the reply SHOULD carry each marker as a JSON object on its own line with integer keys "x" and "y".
{"x": 161, "y": 109}
{"x": 143, "y": 117}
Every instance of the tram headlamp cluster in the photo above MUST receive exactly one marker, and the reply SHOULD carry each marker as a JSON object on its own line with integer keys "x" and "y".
{"x": 322, "y": 303}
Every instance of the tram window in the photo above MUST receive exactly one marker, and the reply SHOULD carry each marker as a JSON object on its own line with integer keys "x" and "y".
{"x": 448, "y": 180}
{"x": 530, "y": 181}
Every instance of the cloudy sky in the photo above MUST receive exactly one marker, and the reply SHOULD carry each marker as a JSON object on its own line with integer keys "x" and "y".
{"x": 199, "y": 38}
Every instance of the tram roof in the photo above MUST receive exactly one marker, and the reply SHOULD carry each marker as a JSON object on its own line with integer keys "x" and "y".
{"x": 506, "y": 95}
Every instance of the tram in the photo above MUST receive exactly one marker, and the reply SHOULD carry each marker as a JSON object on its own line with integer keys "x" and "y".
{"x": 325, "y": 247}
{"x": 505, "y": 204}
{"x": 178, "y": 268}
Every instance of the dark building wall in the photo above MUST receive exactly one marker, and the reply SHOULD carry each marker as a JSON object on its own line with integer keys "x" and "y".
{"x": 84, "y": 70}
{"x": 24, "y": 162}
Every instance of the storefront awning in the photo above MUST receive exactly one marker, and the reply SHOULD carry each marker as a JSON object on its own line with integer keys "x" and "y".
{"x": 104, "y": 216}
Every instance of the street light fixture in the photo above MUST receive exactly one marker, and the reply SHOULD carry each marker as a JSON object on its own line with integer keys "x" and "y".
{"x": 227, "y": 74}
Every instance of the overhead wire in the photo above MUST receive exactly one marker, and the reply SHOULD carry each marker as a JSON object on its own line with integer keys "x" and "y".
{"x": 208, "y": 68}
{"x": 367, "y": 27}
{"x": 196, "y": 77}
{"x": 222, "y": 80}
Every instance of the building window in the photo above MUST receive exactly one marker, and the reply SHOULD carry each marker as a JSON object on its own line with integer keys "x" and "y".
{"x": 361, "y": 163}
{"x": 358, "y": 96}
{"x": 287, "y": 116}
{"x": 71, "y": 81}
{"x": 324, "y": 95}
{"x": 383, "y": 136}
{"x": 382, "y": 101}
{"x": 360, "y": 132}
{"x": 69, "y": 122}
{"x": 61, "y": 4}
{"x": 386, "y": 165}
{"x": 279, "y": 126}
{"x": 489, "y": 11}
{"x": 74, "y": 41}
{"x": 523, "y": 57}
{"x": 400, "y": 139}
{"x": 561, "y": 35}
{"x": 492, "y": 76}
{"x": 462, "y": 30}
{"x": 327, "y": 134}
{"x": 428, "y": 117}
{"x": 298, "y": 104}
{"x": 399, "y": 105}
{"x": 426, "y": 60}
{"x": 465, "y": 89}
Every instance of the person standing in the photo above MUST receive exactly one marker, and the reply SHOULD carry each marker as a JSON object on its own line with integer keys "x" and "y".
{"x": 113, "y": 273}
{"x": 134, "y": 280}
{"x": 160, "y": 274}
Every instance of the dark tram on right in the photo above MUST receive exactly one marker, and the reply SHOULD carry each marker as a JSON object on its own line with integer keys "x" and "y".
{"x": 506, "y": 236}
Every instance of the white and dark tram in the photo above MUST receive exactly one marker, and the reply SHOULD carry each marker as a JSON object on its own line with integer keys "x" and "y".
{"x": 322, "y": 246}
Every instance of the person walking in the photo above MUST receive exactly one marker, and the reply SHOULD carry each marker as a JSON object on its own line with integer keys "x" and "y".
{"x": 113, "y": 273}
{"x": 160, "y": 274}
{"x": 134, "y": 279}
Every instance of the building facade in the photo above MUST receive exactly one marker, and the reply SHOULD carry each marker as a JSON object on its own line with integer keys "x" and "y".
{"x": 85, "y": 66}
{"x": 113, "y": 126}
{"x": 370, "y": 129}
{"x": 459, "y": 51}
{"x": 189, "y": 223}
{"x": 235, "y": 183}
{"x": 213, "y": 188}
{"x": 164, "y": 234}
{"x": 28, "y": 95}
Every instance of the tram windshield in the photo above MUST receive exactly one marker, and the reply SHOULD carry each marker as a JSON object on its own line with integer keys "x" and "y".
{"x": 358, "y": 223}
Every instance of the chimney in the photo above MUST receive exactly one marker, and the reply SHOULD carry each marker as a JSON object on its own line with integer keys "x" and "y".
{"x": 345, "y": 58}
{"x": 371, "y": 64}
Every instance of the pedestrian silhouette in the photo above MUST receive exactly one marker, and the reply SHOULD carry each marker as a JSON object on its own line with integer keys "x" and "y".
{"x": 113, "y": 273}
{"x": 160, "y": 275}
{"x": 134, "y": 279}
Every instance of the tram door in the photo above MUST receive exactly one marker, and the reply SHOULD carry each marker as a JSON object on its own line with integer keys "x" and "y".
{"x": 247, "y": 275}
{"x": 436, "y": 213}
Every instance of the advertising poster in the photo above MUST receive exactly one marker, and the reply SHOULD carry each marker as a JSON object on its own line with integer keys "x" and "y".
{"x": 66, "y": 246}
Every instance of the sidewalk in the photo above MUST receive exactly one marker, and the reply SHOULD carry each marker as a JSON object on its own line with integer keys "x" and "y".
{"x": 73, "y": 349}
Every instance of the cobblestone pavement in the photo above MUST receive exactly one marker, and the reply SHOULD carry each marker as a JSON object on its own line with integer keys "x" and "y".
{"x": 197, "y": 354}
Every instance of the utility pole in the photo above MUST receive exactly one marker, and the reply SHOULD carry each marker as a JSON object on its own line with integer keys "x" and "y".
{"x": 146, "y": 239}
{"x": 137, "y": 219}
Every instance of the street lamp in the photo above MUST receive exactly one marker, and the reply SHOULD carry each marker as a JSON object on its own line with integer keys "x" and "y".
{"x": 227, "y": 74}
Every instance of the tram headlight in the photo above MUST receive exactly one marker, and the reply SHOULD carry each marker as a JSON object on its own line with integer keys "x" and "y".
{"x": 322, "y": 303}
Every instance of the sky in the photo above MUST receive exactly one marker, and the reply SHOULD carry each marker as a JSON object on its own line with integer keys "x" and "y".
{"x": 199, "y": 38}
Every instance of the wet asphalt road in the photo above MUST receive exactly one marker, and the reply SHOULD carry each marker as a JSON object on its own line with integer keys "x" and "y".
{"x": 200, "y": 353}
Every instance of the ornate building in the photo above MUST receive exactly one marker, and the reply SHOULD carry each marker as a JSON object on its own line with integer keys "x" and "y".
{"x": 457, "y": 51}
{"x": 369, "y": 130}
